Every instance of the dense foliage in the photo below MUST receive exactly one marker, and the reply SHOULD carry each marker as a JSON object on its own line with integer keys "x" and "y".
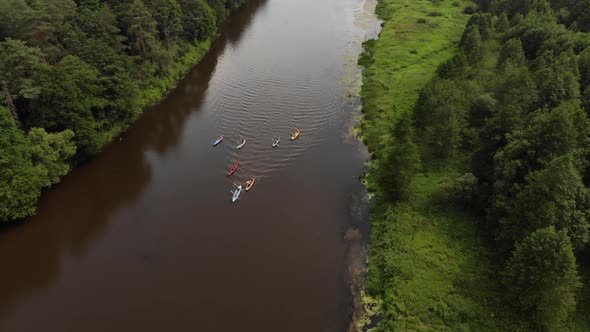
{"x": 516, "y": 106}
{"x": 508, "y": 115}
{"x": 525, "y": 125}
{"x": 74, "y": 73}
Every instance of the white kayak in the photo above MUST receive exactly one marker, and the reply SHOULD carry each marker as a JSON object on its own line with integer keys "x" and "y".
{"x": 236, "y": 193}
{"x": 241, "y": 144}
{"x": 275, "y": 142}
{"x": 218, "y": 140}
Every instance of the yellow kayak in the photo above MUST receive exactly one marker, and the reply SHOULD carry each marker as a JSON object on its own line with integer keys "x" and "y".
{"x": 250, "y": 183}
{"x": 295, "y": 135}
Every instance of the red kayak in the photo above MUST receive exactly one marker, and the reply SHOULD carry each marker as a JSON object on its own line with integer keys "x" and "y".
{"x": 233, "y": 169}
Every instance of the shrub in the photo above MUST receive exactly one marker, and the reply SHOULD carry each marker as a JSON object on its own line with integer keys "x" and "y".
{"x": 470, "y": 9}
{"x": 463, "y": 190}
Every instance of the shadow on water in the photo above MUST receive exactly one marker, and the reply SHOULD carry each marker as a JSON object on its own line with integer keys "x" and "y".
{"x": 74, "y": 213}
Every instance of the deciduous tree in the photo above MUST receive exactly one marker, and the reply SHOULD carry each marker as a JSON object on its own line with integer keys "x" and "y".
{"x": 20, "y": 181}
{"x": 52, "y": 152}
{"x": 542, "y": 279}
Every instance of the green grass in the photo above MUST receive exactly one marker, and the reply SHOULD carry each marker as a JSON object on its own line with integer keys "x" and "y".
{"x": 428, "y": 269}
{"x": 405, "y": 58}
{"x": 428, "y": 261}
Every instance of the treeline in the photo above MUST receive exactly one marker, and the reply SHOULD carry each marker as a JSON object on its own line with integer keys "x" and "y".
{"x": 74, "y": 73}
{"x": 514, "y": 105}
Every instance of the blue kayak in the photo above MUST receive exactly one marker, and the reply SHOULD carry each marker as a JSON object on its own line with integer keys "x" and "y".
{"x": 218, "y": 140}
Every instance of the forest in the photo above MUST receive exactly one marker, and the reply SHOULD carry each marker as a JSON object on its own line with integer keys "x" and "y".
{"x": 75, "y": 73}
{"x": 489, "y": 164}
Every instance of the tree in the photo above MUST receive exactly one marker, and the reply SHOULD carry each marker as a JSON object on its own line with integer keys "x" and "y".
{"x": 198, "y": 20}
{"x": 70, "y": 93}
{"x": 52, "y": 152}
{"x": 541, "y": 278}
{"x": 19, "y": 72}
{"x": 512, "y": 53}
{"x": 472, "y": 44}
{"x": 441, "y": 114}
{"x": 584, "y": 67}
{"x": 483, "y": 22}
{"x": 142, "y": 30}
{"x": 515, "y": 95}
{"x": 219, "y": 7}
{"x": 534, "y": 30}
{"x": 15, "y": 19}
{"x": 47, "y": 20}
{"x": 517, "y": 92}
{"x": 556, "y": 84}
{"x": 547, "y": 135}
{"x": 482, "y": 109}
{"x": 20, "y": 181}
{"x": 513, "y": 7}
{"x": 586, "y": 100}
{"x": 89, "y": 4}
{"x": 119, "y": 92}
{"x": 502, "y": 24}
{"x": 401, "y": 161}
{"x": 167, "y": 14}
{"x": 555, "y": 196}
{"x": 580, "y": 15}
{"x": 452, "y": 68}
{"x": 92, "y": 22}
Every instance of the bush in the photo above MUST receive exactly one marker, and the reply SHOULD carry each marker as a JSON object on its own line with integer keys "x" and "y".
{"x": 463, "y": 190}
{"x": 422, "y": 20}
{"x": 366, "y": 58}
{"x": 470, "y": 9}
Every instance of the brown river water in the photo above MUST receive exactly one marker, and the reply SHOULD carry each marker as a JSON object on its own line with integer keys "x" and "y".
{"x": 145, "y": 237}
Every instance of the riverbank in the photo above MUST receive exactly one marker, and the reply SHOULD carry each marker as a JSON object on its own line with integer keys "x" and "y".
{"x": 98, "y": 69}
{"x": 427, "y": 267}
{"x": 161, "y": 87}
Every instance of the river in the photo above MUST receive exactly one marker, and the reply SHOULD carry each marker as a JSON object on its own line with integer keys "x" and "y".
{"x": 145, "y": 238}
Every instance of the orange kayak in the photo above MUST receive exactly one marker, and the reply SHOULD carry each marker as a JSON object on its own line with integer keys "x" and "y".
{"x": 295, "y": 135}
{"x": 250, "y": 183}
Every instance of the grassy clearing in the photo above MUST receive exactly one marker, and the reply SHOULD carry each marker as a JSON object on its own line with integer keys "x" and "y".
{"x": 427, "y": 264}
{"x": 412, "y": 44}
{"x": 428, "y": 269}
